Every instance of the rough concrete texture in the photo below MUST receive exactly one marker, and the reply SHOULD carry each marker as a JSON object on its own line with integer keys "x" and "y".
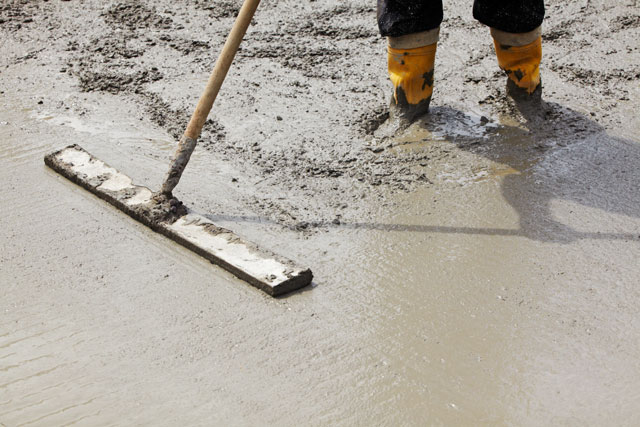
{"x": 479, "y": 268}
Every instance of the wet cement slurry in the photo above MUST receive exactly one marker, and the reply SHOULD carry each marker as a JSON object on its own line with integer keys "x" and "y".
{"x": 480, "y": 268}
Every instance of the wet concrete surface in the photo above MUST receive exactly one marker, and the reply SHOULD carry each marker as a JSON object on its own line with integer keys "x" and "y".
{"x": 479, "y": 268}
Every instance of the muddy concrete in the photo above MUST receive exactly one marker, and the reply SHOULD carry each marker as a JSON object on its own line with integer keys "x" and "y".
{"x": 478, "y": 268}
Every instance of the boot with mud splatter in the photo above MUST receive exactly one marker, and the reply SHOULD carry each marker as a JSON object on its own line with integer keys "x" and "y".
{"x": 519, "y": 55}
{"x": 411, "y": 72}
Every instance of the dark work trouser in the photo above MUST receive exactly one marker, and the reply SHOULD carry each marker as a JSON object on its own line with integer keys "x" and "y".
{"x": 401, "y": 17}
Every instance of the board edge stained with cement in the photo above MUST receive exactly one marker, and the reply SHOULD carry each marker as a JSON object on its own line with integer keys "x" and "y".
{"x": 261, "y": 268}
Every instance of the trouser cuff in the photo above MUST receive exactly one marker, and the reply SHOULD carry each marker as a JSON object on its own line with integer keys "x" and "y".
{"x": 515, "y": 39}
{"x": 414, "y": 40}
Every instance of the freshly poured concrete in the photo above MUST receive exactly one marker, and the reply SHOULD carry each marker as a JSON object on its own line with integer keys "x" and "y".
{"x": 501, "y": 290}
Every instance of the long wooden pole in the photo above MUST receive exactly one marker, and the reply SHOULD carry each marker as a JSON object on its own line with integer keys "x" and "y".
{"x": 188, "y": 141}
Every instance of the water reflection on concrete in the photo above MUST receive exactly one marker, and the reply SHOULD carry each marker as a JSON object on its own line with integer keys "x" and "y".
{"x": 486, "y": 292}
{"x": 504, "y": 293}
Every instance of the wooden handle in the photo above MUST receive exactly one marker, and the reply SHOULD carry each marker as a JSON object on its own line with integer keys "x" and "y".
{"x": 188, "y": 141}
{"x": 221, "y": 68}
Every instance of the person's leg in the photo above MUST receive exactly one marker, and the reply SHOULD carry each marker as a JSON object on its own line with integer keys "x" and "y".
{"x": 412, "y": 28}
{"x": 519, "y": 55}
{"x": 515, "y": 28}
{"x": 401, "y": 17}
{"x": 511, "y": 16}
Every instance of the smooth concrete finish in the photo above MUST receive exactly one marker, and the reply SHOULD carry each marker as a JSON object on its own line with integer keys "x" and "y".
{"x": 264, "y": 270}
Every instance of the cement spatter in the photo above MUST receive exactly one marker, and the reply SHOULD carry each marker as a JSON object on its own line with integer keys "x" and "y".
{"x": 482, "y": 265}
{"x": 312, "y": 64}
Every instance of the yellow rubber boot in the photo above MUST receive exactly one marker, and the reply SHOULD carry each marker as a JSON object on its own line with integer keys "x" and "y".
{"x": 521, "y": 63}
{"x": 411, "y": 72}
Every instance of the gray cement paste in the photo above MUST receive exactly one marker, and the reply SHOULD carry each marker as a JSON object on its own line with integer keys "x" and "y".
{"x": 479, "y": 267}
